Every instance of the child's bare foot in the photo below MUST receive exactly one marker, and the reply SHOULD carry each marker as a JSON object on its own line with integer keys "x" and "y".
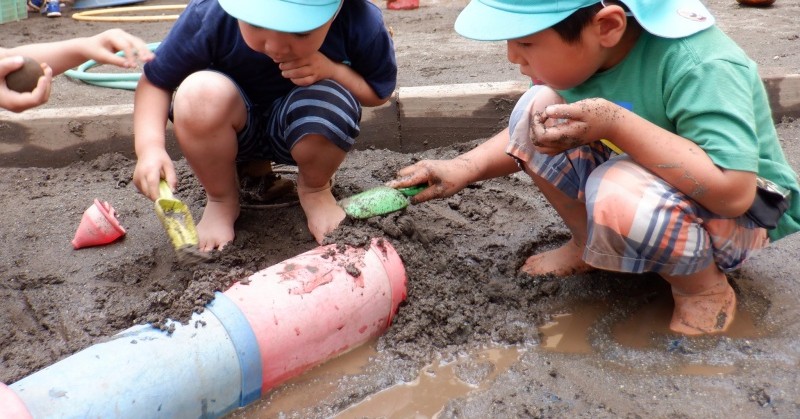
{"x": 710, "y": 311}
{"x": 215, "y": 229}
{"x": 564, "y": 261}
{"x": 322, "y": 212}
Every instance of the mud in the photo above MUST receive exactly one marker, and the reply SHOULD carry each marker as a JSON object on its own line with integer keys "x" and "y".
{"x": 462, "y": 255}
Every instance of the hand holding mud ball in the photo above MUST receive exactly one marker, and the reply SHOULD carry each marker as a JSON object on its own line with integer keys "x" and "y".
{"x": 20, "y": 89}
{"x": 25, "y": 79}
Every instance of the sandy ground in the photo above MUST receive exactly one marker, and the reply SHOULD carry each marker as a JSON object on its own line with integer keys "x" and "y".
{"x": 461, "y": 255}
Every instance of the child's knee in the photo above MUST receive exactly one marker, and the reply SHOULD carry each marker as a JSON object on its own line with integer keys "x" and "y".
{"x": 546, "y": 97}
{"x": 539, "y": 97}
{"x": 203, "y": 96}
{"x": 613, "y": 197}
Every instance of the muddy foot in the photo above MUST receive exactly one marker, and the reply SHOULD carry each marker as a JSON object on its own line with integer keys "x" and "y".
{"x": 564, "y": 261}
{"x": 709, "y": 312}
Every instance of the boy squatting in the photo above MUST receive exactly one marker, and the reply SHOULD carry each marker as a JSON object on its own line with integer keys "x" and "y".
{"x": 279, "y": 81}
{"x": 686, "y": 131}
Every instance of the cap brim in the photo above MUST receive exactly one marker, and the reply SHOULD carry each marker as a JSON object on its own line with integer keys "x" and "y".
{"x": 671, "y": 18}
{"x": 282, "y": 16}
{"x": 483, "y": 23}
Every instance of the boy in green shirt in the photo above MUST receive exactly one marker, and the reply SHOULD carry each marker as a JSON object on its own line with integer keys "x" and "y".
{"x": 647, "y": 130}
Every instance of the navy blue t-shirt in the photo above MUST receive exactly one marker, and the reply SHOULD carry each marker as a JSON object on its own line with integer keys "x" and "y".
{"x": 206, "y": 37}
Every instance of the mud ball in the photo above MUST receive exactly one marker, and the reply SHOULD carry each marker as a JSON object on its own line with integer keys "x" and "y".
{"x": 756, "y": 3}
{"x": 25, "y": 79}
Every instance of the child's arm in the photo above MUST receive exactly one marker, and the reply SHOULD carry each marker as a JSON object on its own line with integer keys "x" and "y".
{"x": 63, "y": 55}
{"x": 447, "y": 177}
{"x": 150, "y": 110}
{"x": 307, "y": 71}
{"x": 486, "y": 161}
{"x": 57, "y": 57}
{"x": 677, "y": 160}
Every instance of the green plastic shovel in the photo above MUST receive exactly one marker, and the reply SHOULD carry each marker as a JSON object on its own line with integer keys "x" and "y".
{"x": 378, "y": 201}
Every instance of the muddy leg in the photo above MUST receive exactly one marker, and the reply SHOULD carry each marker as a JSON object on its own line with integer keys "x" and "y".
{"x": 567, "y": 259}
{"x": 208, "y": 112}
{"x": 704, "y": 302}
{"x": 317, "y": 160}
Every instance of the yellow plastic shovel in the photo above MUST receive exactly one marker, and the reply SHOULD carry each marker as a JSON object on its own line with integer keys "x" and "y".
{"x": 179, "y": 225}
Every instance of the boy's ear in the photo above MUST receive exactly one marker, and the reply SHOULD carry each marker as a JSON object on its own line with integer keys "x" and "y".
{"x": 610, "y": 24}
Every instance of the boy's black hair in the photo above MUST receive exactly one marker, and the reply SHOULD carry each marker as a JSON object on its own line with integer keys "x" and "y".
{"x": 570, "y": 28}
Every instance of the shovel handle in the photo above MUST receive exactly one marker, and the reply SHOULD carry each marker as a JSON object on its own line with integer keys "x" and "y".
{"x": 163, "y": 189}
{"x": 412, "y": 190}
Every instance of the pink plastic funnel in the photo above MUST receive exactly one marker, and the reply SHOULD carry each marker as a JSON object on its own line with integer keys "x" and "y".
{"x": 98, "y": 226}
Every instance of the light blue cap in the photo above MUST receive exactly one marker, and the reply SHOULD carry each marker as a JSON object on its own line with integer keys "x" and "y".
{"x": 500, "y": 20}
{"x": 294, "y": 16}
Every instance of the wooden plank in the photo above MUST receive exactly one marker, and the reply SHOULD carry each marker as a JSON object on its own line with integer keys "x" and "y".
{"x": 435, "y": 116}
{"x": 415, "y": 119}
{"x": 784, "y": 95}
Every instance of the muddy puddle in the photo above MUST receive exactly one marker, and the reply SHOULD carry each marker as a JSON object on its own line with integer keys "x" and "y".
{"x": 436, "y": 384}
{"x": 474, "y": 370}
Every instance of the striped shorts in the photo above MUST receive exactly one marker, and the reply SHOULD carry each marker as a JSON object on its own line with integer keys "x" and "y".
{"x": 324, "y": 108}
{"x": 637, "y": 222}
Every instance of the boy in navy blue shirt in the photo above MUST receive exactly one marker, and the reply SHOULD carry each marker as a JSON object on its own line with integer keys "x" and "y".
{"x": 275, "y": 80}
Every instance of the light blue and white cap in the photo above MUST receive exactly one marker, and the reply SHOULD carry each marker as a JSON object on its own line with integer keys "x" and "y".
{"x": 500, "y": 20}
{"x": 294, "y": 16}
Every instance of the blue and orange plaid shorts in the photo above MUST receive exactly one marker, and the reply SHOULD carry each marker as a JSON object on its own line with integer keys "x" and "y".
{"x": 637, "y": 222}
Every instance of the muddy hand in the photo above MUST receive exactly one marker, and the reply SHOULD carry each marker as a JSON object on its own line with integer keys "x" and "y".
{"x": 442, "y": 177}
{"x": 552, "y": 135}
{"x": 563, "y": 127}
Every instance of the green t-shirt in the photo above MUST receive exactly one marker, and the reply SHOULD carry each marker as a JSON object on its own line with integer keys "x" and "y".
{"x": 703, "y": 88}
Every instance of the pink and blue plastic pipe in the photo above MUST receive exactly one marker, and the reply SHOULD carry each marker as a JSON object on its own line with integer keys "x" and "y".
{"x": 259, "y": 333}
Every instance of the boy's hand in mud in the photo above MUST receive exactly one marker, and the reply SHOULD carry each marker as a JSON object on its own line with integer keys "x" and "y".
{"x": 443, "y": 177}
{"x": 563, "y": 127}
